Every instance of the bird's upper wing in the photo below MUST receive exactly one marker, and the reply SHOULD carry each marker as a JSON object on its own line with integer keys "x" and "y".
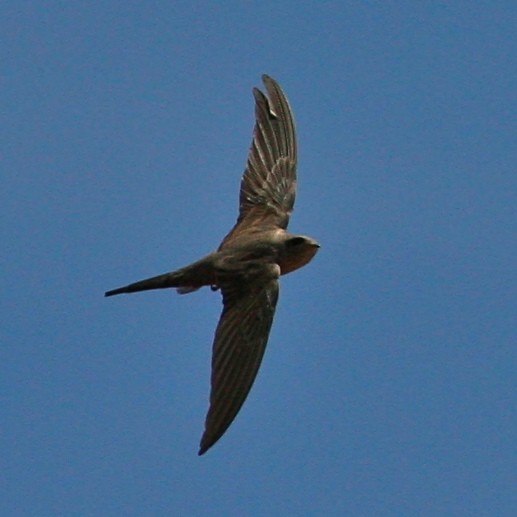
{"x": 239, "y": 345}
{"x": 268, "y": 186}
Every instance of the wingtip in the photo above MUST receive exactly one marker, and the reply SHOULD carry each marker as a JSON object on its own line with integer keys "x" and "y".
{"x": 203, "y": 447}
{"x": 207, "y": 442}
{"x": 270, "y": 81}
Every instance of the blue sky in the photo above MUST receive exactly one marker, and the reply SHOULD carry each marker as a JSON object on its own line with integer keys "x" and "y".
{"x": 388, "y": 386}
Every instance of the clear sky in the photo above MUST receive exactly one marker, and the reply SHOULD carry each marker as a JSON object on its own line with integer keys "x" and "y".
{"x": 389, "y": 383}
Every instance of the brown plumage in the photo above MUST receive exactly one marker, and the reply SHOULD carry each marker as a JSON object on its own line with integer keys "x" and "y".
{"x": 249, "y": 261}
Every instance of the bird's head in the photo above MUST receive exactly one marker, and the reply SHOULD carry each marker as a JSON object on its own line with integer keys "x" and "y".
{"x": 298, "y": 250}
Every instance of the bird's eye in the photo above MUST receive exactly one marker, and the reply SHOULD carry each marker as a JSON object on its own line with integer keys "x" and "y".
{"x": 295, "y": 241}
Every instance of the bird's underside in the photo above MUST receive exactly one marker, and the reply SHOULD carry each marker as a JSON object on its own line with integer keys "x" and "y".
{"x": 248, "y": 263}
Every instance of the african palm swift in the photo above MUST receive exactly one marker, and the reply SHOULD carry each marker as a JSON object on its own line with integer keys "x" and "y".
{"x": 248, "y": 263}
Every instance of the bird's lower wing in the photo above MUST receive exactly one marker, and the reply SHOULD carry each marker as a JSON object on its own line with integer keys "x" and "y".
{"x": 239, "y": 345}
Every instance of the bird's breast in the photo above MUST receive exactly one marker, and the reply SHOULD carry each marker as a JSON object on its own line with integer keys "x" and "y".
{"x": 293, "y": 261}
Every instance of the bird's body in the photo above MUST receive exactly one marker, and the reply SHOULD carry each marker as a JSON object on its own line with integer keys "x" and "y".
{"x": 288, "y": 252}
{"x": 248, "y": 263}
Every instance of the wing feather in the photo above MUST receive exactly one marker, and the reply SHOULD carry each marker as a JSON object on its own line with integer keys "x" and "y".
{"x": 268, "y": 186}
{"x": 239, "y": 344}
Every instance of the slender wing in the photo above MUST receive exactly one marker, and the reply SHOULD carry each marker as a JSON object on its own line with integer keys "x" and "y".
{"x": 268, "y": 186}
{"x": 239, "y": 345}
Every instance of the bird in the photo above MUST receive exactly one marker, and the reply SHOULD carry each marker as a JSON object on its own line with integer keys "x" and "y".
{"x": 247, "y": 265}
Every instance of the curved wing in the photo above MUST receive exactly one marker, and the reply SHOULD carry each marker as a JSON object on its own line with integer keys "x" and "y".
{"x": 239, "y": 345}
{"x": 268, "y": 186}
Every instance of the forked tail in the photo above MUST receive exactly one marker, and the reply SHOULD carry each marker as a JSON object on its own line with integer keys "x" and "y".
{"x": 185, "y": 280}
{"x": 156, "y": 282}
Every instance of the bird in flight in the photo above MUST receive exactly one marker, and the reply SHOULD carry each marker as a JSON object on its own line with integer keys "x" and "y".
{"x": 249, "y": 261}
